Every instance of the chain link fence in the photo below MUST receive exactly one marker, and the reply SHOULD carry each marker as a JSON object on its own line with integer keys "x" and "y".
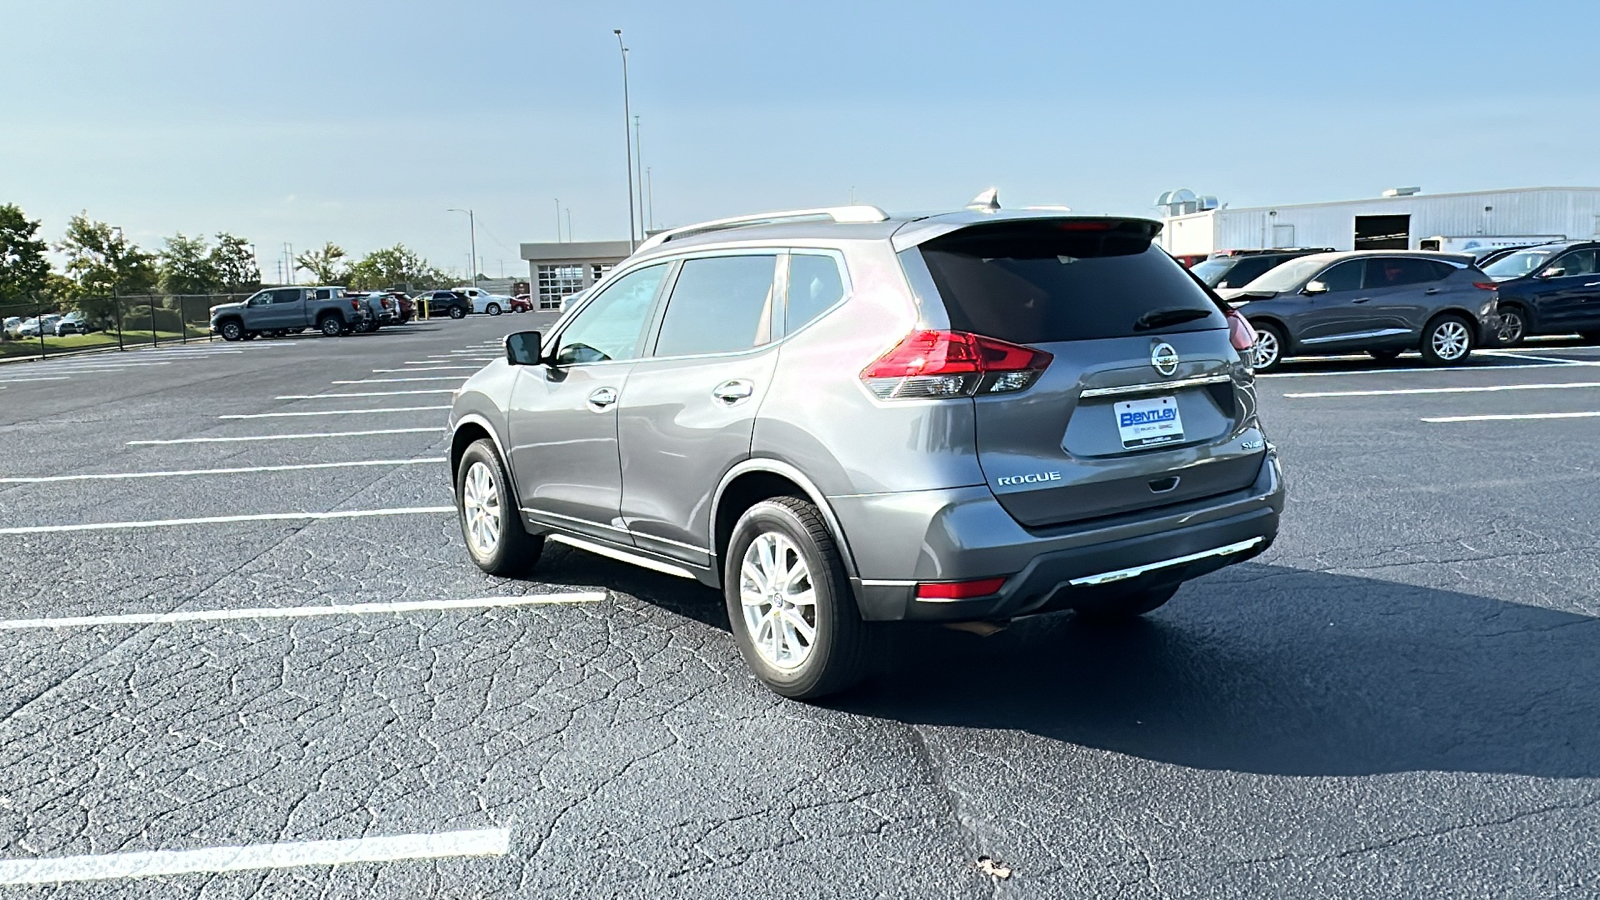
{"x": 42, "y": 328}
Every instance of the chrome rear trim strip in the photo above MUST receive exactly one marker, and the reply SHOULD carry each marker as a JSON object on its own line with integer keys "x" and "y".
{"x": 1155, "y": 387}
{"x": 1136, "y": 571}
{"x": 643, "y": 562}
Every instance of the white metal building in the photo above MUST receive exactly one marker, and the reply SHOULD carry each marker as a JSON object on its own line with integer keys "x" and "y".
{"x": 1402, "y": 219}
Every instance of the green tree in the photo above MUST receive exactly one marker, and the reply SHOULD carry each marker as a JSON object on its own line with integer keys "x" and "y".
{"x": 327, "y": 265}
{"x": 24, "y": 268}
{"x": 186, "y": 266}
{"x": 392, "y": 267}
{"x": 234, "y": 261}
{"x": 102, "y": 262}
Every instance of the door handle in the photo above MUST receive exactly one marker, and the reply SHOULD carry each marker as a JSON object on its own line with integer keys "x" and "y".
{"x": 604, "y": 397}
{"x": 1592, "y": 284}
{"x": 731, "y": 392}
{"x": 1361, "y": 300}
{"x": 1431, "y": 291}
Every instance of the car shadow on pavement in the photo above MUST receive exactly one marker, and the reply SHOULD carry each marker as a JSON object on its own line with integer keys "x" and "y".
{"x": 1280, "y": 671}
{"x": 576, "y": 569}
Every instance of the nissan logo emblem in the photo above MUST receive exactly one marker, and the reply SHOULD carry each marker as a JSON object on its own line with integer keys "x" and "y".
{"x": 1164, "y": 358}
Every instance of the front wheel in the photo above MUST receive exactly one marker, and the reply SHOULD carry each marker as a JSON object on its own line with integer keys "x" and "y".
{"x": 331, "y": 326}
{"x": 1115, "y": 608}
{"x": 1268, "y": 349}
{"x": 1447, "y": 340}
{"x": 232, "y": 331}
{"x": 1513, "y": 326}
{"x": 490, "y": 520}
{"x": 492, "y": 309}
{"x": 457, "y": 312}
{"x": 793, "y": 614}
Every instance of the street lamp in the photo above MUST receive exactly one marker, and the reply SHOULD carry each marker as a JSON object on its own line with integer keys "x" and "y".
{"x": 472, "y": 230}
{"x": 627, "y": 140}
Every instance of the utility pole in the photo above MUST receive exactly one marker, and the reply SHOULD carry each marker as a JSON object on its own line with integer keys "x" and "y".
{"x": 472, "y": 226}
{"x": 626, "y": 115}
{"x": 558, "y": 220}
{"x": 638, "y": 162}
{"x": 650, "y": 191}
{"x": 569, "y": 226}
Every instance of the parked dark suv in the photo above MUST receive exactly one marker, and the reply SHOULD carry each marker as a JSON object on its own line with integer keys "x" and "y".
{"x": 841, "y": 419}
{"x": 1549, "y": 289}
{"x": 445, "y": 303}
{"x": 1380, "y": 302}
{"x": 1237, "y": 268}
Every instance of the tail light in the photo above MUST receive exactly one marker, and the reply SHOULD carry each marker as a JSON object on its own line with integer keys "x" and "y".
{"x": 355, "y": 305}
{"x": 935, "y": 364}
{"x": 959, "y": 590}
{"x": 1240, "y": 333}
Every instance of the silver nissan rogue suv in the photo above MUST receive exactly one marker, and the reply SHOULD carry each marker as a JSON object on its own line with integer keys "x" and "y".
{"x": 841, "y": 419}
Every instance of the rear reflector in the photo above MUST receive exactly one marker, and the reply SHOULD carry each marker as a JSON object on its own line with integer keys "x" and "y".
{"x": 933, "y": 364}
{"x": 959, "y": 590}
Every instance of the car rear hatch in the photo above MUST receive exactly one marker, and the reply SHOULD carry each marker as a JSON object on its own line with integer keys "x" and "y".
{"x": 1143, "y": 402}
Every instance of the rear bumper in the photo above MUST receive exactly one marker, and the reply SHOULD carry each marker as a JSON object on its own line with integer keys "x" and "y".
{"x": 963, "y": 534}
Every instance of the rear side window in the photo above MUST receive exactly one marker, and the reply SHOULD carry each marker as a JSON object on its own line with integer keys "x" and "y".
{"x": 1387, "y": 272}
{"x": 814, "y": 286}
{"x": 1032, "y": 283}
{"x": 719, "y": 305}
{"x": 1246, "y": 270}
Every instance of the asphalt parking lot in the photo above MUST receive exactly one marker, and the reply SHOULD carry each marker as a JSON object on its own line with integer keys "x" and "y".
{"x": 236, "y": 612}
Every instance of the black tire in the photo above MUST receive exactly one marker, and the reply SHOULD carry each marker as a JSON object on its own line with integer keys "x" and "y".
{"x": 492, "y": 309}
{"x": 1384, "y": 355}
{"x": 840, "y": 642}
{"x": 1109, "y": 609}
{"x": 514, "y": 552}
{"x": 231, "y": 330}
{"x": 457, "y": 312}
{"x": 330, "y": 326}
{"x": 1269, "y": 348}
{"x": 1447, "y": 331}
{"x": 1513, "y": 325}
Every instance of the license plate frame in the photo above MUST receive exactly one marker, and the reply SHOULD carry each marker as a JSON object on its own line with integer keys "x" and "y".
{"x": 1148, "y": 422}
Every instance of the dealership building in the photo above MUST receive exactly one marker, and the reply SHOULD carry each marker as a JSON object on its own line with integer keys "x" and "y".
{"x": 561, "y": 269}
{"x": 1400, "y": 219}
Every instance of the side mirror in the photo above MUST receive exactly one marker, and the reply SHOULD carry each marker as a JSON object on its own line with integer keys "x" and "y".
{"x": 1314, "y": 287}
{"x": 1553, "y": 272}
{"x": 523, "y": 348}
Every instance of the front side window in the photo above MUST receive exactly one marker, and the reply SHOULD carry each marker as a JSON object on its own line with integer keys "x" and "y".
{"x": 1578, "y": 262}
{"x": 1399, "y": 271}
{"x": 814, "y": 287}
{"x": 719, "y": 304}
{"x": 1517, "y": 264}
{"x": 1346, "y": 276}
{"x": 610, "y": 327}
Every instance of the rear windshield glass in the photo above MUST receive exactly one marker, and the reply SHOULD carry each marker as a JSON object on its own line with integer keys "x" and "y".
{"x": 1038, "y": 283}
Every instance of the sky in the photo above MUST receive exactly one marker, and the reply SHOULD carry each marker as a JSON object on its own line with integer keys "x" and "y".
{"x": 362, "y": 122}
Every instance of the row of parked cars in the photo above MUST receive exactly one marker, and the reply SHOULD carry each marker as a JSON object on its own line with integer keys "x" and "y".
{"x": 75, "y": 322}
{"x": 336, "y": 311}
{"x": 1315, "y": 301}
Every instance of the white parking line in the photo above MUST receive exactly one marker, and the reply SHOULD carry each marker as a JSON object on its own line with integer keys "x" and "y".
{"x": 362, "y": 394}
{"x": 241, "y": 470}
{"x": 398, "y": 380}
{"x": 222, "y": 520}
{"x": 1450, "y": 390}
{"x": 483, "y": 842}
{"x": 332, "y": 412}
{"x": 31, "y": 378}
{"x": 1511, "y": 354}
{"x": 285, "y": 437}
{"x": 303, "y": 612}
{"x": 1516, "y": 417}
{"x": 433, "y": 369}
{"x": 1421, "y": 369}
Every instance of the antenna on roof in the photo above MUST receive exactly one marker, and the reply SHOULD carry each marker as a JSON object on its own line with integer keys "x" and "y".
{"x": 988, "y": 201}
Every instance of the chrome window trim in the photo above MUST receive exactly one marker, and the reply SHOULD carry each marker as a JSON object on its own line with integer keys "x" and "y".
{"x": 1136, "y": 571}
{"x": 1152, "y": 387}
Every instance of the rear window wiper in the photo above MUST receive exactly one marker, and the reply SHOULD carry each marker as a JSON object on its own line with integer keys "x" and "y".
{"x": 1172, "y": 315}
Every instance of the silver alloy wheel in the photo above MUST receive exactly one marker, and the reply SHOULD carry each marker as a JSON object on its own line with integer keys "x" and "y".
{"x": 480, "y": 502}
{"x": 1266, "y": 349}
{"x": 1449, "y": 340}
{"x": 779, "y": 600}
{"x": 1511, "y": 326}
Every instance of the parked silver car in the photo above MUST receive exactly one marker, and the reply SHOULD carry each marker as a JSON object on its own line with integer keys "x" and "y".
{"x": 842, "y": 419}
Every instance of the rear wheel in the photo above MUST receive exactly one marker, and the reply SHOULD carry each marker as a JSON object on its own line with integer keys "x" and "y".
{"x": 1384, "y": 355}
{"x": 1269, "y": 347}
{"x": 490, "y": 520}
{"x": 793, "y": 614}
{"x": 330, "y": 326}
{"x": 1446, "y": 340}
{"x": 1513, "y": 325}
{"x": 492, "y": 309}
{"x": 1122, "y": 607}
{"x": 232, "y": 331}
{"x": 457, "y": 312}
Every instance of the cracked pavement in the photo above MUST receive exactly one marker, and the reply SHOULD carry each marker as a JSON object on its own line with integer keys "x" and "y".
{"x": 1400, "y": 699}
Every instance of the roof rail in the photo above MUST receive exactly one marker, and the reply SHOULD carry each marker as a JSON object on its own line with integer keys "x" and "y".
{"x": 849, "y": 215}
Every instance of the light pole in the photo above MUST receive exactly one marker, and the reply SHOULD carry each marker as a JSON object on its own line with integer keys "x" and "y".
{"x": 626, "y": 115}
{"x": 638, "y": 177}
{"x": 472, "y": 232}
